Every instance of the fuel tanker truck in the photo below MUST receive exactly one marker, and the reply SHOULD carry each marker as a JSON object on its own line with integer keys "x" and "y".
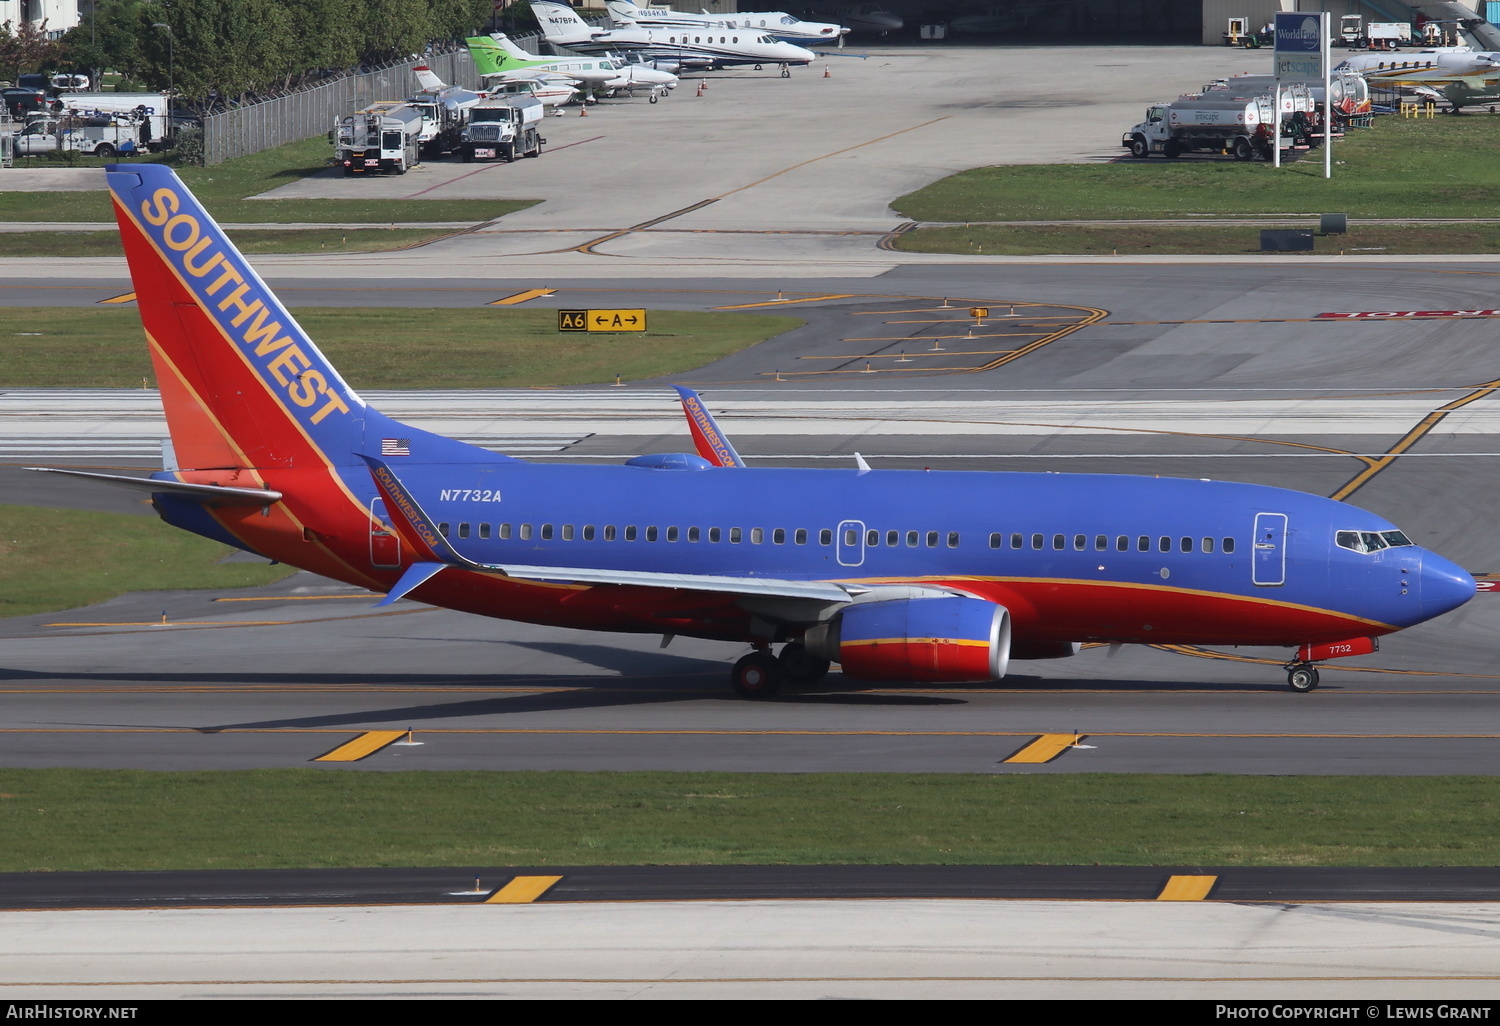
{"x": 1351, "y": 93}
{"x": 1221, "y": 122}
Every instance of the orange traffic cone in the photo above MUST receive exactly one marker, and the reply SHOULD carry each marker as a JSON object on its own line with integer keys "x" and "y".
{"x": 583, "y": 111}
{"x": 827, "y": 71}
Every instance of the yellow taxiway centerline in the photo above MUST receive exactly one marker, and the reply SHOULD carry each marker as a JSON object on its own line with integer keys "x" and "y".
{"x": 783, "y": 302}
{"x": 1045, "y": 748}
{"x": 367, "y": 744}
{"x": 521, "y": 297}
{"x": 1187, "y": 888}
{"x": 522, "y": 890}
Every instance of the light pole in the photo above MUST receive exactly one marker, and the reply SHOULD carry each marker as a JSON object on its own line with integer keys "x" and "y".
{"x": 171, "y": 62}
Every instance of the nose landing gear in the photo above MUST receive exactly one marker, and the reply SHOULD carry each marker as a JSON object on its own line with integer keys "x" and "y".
{"x": 1302, "y": 677}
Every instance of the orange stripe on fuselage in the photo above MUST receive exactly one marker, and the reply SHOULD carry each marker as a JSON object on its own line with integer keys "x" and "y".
{"x": 913, "y": 641}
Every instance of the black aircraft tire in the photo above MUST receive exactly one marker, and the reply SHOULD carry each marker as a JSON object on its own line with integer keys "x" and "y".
{"x": 1303, "y": 679}
{"x": 756, "y": 676}
{"x": 800, "y": 666}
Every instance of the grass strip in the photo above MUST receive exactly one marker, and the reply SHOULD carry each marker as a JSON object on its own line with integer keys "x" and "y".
{"x": 53, "y": 559}
{"x": 318, "y": 240}
{"x": 1399, "y": 168}
{"x": 1020, "y": 240}
{"x": 225, "y": 189}
{"x": 59, "y": 819}
{"x": 391, "y": 347}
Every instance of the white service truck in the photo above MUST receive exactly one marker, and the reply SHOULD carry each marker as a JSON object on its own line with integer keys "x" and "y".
{"x": 442, "y": 124}
{"x": 99, "y": 134}
{"x": 1246, "y": 127}
{"x": 382, "y": 137}
{"x": 150, "y": 109}
{"x": 508, "y": 127}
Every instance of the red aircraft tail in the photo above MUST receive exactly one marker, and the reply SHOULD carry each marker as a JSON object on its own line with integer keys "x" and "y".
{"x": 242, "y": 384}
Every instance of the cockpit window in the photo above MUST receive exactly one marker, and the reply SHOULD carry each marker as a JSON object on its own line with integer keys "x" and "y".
{"x": 1370, "y": 541}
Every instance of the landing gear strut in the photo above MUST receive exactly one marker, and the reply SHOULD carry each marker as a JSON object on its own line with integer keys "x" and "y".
{"x": 800, "y": 666}
{"x": 1302, "y": 677}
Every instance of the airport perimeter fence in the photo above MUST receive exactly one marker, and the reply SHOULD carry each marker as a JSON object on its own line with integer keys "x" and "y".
{"x": 279, "y": 120}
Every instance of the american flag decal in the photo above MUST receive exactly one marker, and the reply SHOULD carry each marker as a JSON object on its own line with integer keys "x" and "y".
{"x": 395, "y": 447}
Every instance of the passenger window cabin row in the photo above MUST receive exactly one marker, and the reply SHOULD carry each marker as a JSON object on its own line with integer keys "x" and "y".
{"x": 851, "y": 538}
{"x": 1122, "y": 543}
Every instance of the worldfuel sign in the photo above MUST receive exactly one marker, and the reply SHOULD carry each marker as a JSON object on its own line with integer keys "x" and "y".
{"x": 1303, "y": 52}
{"x": 1300, "y": 46}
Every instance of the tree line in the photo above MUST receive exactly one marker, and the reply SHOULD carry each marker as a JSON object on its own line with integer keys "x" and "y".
{"x": 238, "y": 48}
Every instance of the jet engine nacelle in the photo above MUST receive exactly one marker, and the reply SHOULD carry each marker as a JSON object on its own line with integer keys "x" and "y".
{"x": 945, "y": 638}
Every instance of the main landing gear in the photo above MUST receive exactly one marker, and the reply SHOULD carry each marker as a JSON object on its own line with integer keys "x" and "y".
{"x": 1302, "y": 677}
{"x": 759, "y": 675}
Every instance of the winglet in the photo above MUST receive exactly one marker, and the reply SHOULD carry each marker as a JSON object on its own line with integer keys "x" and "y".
{"x": 707, "y": 438}
{"x": 419, "y": 531}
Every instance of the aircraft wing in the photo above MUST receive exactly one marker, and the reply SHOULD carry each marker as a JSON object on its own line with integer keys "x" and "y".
{"x": 534, "y": 75}
{"x": 438, "y": 554}
{"x": 733, "y": 587}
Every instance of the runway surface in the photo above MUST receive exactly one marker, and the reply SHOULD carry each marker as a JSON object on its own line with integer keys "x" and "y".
{"x": 1354, "y": 953}
{"x": 550, "y": 885}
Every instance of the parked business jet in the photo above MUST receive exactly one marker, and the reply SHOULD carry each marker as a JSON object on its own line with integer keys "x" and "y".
{"x": 859, "y": 17}
{"x": 692, "y": 48}
{"x": 1449, "y": 60}
{"x": 897, "y": 575}
{"x": 550, "y": 90}
{"x": 779, "y": 24}
{"x": 496, "y": 56}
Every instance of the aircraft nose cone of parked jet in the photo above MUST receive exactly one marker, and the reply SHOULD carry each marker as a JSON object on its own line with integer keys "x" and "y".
{"x": 1444, "y": 586}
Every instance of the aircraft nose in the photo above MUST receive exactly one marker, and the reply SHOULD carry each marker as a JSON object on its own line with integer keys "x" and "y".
{"x": 1445, "y": 586}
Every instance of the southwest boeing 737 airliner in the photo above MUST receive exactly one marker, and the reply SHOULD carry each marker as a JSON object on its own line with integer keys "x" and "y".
{"x": 896, "y": 575}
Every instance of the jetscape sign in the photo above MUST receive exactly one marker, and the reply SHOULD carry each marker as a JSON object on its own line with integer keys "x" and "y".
{"x": 1387, "y": 315}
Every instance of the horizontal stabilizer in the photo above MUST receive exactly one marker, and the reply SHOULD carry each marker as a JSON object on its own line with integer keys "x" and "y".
{"x": 212, "y": 495}
{"x": 416, "y": 575}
